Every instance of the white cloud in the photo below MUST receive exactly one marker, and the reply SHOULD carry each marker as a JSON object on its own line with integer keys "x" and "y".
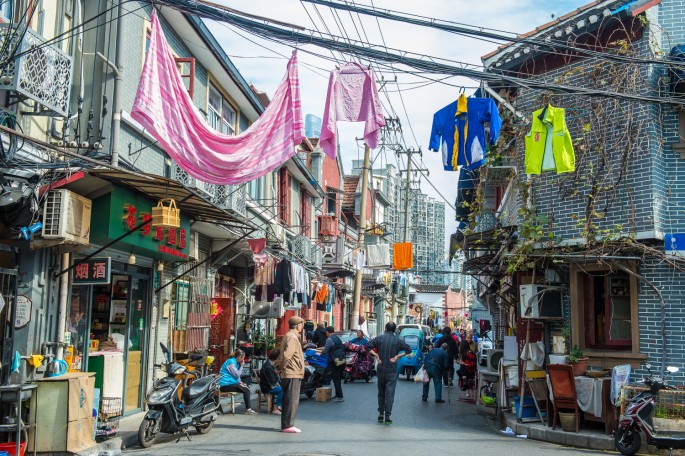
{"x": 266, "y": 72}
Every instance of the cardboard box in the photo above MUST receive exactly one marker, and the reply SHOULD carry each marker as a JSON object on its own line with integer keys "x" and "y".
{"x": 80, "y": 434}
{"x": 81, "y": 391}
{"x": 324, "y": 394}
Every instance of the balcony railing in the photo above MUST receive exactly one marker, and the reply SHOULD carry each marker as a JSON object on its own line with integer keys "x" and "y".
{"x": 232, "y": 198}
{"x": 41, "y": 73}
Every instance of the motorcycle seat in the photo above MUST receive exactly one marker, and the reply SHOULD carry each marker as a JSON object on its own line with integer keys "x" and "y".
{"x": 665, "y": 440}
{"x": 197, "y": 388}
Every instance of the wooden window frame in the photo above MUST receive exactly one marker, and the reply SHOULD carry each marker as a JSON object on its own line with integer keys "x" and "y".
{"x": 306, "y": 211}
{"x": 284, "y": 198}
{"x": 577, "y": 289}
{"x": 190, "y": 76}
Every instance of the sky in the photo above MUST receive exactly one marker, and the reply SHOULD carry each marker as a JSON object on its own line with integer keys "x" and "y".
{"x": 403, "y": 95}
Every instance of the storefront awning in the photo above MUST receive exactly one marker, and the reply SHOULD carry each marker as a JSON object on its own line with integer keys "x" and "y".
{"x": 156, "y": 188}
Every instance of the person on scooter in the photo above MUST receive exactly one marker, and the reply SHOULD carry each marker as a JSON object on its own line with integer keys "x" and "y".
{"x": 270, "y": 382}
{"x": 360, "y": 339}
{"x": 467, "y": 367}
{"x": 229, "y": 380}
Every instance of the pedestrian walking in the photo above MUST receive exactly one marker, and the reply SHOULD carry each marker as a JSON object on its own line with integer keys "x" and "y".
{"x": 436, "y": 363}
{"x": 335, "y": 350}
{"x": 291, "y": 368}
{"x": 388, "y": 346}
{"x": 452, "y": 353}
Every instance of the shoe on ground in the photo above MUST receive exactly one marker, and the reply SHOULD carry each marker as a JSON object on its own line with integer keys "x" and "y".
{"x": 451, "y": 383}
{"x": 424, "y": 399}
{"x": 387, "y": 420}
{"x": 291, "y": 430}
{"x": 381, "y": 417}
{"x": 276, "y": 412}
{"x": 439, "y": 401}
{"x": 251, "y": 412}
{"x": 338, "y": 399}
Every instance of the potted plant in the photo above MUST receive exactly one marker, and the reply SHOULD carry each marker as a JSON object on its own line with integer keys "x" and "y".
{"x": 263, "y": 343}
{"x": 577, "y": 360}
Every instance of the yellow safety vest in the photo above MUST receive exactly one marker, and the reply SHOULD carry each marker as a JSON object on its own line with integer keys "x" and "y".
{"x": 536, "y": 141}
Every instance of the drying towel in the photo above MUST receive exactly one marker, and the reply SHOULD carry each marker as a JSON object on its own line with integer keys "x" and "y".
{"x": 353, "y": 97}
{"x": 403, "y": 256}
{"x": 378, "y": 256}
{"x": 164, "y": 108}
{"x": 257, "y": 245}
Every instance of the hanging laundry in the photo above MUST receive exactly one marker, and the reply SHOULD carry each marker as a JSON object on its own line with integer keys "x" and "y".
{"x": 264, "y": 273}
{"x": 257, "y": 245}
{"x": 283, "y": 281}
{"x": 403, "y": 256}
{"x": 164, "y": 108}
{"x": 378, "y": 256}
{"x": 353, "y": 97}
{"x": 359, "y": 259}
{"x": 459, "y": 131}
{"x": 548, "y": 145}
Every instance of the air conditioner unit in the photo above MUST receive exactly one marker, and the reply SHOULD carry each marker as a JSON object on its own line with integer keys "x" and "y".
{"x": 540, "y": 302}
{"x": 66, "y": 216}
{"x": 269, "y": 309}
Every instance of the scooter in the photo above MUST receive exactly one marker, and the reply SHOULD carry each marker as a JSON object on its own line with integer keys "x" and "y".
{"x": 637, "y": 419}
{"x": 199, "y": 404}
{"x": 358, "y": 365}
{"x": 316, "y": 373}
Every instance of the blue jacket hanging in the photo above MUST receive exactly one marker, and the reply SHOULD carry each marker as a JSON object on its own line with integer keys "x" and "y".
{"x": 459, "y": 131}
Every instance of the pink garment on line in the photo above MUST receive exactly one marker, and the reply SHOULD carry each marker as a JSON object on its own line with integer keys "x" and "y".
{"x": 257, "y": 245}
{"x": 164, "y": 108}
{"x": 352, "y": 96}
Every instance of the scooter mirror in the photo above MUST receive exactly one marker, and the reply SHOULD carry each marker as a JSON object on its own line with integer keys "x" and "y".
{"x": 163, "y": 347}
{"x": 672, "y": 369}
{"x": 648, "y": 366}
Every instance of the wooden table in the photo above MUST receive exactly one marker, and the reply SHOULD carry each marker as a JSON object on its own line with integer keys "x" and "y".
{"x": 608, "y": 414}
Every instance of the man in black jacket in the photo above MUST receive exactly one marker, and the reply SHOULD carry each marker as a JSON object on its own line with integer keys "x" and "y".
{"x": 270, "y": 382}
{"x": 320, "y": 336}
{"x": 452, "y": 353}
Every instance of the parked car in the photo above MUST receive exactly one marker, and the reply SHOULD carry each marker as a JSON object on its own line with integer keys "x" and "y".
{"x": 484, "y": 344}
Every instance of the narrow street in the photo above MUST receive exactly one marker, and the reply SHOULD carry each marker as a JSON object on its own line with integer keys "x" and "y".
{"x": 350, "y": 428}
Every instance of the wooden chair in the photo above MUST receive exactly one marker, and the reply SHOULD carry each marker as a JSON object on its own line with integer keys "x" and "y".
{"x": 564, "y": 391}
{"x": 231, "y": 396}
{"x": 264, "y": 399}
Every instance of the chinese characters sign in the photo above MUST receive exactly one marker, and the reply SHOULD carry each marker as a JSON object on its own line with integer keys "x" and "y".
{"x": 93, "y": 271}
{"x": 123, "y": 211}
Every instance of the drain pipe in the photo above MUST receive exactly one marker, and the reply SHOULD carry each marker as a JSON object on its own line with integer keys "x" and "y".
{"x": 118, "y": 86}
{"x": 62, "y": 309}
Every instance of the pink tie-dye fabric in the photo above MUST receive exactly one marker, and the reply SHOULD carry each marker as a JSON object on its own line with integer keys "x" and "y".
{"x": 164, "y": 108}
{"x": 352, "y": 96}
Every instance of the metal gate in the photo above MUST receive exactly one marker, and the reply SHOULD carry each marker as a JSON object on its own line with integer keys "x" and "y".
{"x": 8, "y": 292}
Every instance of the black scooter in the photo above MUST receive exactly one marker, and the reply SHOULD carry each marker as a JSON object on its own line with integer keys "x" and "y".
{"x": 199, "y": 406}
{"x": 637, "y": 419}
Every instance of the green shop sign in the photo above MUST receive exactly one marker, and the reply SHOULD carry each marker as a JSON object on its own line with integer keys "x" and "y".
{"x": 121, "y": 211}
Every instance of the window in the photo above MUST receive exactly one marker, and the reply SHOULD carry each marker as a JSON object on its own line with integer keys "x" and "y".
{"x": 284, "y": 196}
{"x": 186, "y": 66}
{"x": 6, "y": 11}
{"x": 331, "y": 203}
{"x": 257, "y": 189}
{"x": 221, "y": 115}
{"x": 604, "y": 305}
{"x": 306, "y": 211}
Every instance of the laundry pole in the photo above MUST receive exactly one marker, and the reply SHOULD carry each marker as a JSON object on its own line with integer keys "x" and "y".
{"x": 354, "y": 323}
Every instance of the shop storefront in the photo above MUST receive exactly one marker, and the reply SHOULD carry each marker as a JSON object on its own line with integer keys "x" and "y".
{"x": 111, "y": 306}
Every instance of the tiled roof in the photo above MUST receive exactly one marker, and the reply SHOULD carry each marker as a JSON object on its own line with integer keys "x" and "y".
{"x": 350, "y": 188}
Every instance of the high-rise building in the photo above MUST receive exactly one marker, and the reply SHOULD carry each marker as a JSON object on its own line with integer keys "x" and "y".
{"x": 312, "y": 126}
{"x": 426, "y": 223}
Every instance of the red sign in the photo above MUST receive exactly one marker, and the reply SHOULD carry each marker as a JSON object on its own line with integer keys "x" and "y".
{"x": 92, "y": 271}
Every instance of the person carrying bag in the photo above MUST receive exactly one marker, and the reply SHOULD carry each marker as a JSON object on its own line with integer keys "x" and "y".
{"x": 435, "y": 364}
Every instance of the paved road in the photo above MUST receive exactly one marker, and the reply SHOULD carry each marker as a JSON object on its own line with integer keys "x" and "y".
{"x": 350, "y": 428}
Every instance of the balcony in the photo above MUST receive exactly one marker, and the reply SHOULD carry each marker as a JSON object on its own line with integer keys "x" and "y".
{"x": 205, "y": 190}
{"x": 42, "y": 73}
{"x": 231, "y": 198}
{"x": 328, "y": 226}
{"x": 302, "y": 248}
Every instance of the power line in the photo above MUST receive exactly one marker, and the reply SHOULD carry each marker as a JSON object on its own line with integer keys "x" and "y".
{"x": 421, "y": 62}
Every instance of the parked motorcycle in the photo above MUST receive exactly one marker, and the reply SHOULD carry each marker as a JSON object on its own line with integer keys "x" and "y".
{"x": 637, "y": 419}
{"x": 316, "y": 373}
{"x": 198, "y": 405}
{"x": 358, "y": 363}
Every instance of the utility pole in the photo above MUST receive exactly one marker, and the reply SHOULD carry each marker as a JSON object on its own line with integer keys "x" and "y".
{"x": 407, "y": 198}
{"x": 354, "y": 324}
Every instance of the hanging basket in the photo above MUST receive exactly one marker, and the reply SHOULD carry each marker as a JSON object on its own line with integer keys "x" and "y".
{"x": 166, "y": 216}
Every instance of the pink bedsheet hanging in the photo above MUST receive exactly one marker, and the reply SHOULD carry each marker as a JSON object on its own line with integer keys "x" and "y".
{"x": 352, "y": 96}
{"x": 164, "y": 108}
